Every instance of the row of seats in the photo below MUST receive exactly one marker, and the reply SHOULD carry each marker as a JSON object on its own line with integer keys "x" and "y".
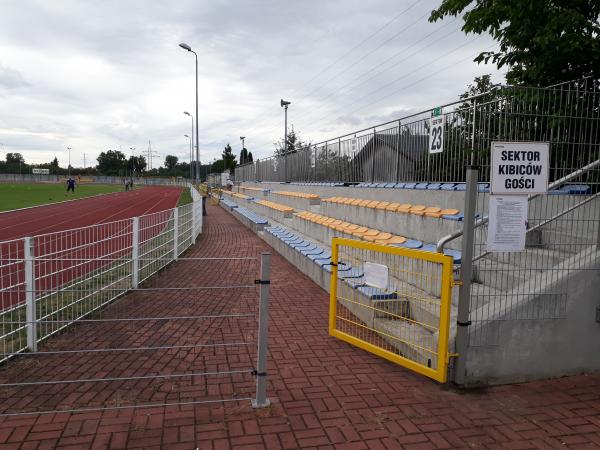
{"x": 237, "y": 195}
{"x": 254, "y": 189}
{"x": 228, "y": 203}
{"x": 275, "y": 206}
{"x": 353, "y": 276}
{"x": 297, "y": 194}
{"x": 372, "y": 235}
{"x": 252, "y": 216}
{"x": 407, "y": 208}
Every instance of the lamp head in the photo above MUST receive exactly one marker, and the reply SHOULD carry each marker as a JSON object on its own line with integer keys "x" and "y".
{"x": 284, "y": 103}
{"x": 186, "y": 136}
{"x": 184, "y": 46}
{"x": 242, "y": 137}
{"x": 187, "y": 113}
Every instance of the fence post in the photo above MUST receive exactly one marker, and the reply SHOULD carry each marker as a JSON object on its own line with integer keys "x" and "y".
{"x": 176, "y": 233}
{"x": 30, "y": 318}
{"x": 373, "y": 156}
{"x": 261, "y": 399}
{"x": 466, "y": 275}
{"x": 135, "y": 253}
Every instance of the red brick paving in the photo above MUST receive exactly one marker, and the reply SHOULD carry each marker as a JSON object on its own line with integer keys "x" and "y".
{"x": 325, "y": 394}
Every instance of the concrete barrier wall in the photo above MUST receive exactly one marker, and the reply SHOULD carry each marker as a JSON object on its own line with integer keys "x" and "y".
{"x": 540, "y": 348}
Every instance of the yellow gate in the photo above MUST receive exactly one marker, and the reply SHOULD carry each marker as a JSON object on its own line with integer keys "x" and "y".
{"x": 393, "y": 302}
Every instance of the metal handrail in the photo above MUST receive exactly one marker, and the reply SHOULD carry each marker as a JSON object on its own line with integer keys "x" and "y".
{"x": 450, "y": 237}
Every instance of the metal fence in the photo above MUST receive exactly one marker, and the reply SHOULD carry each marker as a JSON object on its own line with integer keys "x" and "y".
{"x": 565, "y": 115}
{"x": 100, "y": 179}
{"x": 394, "y": 302}
{"x": 186, "y": 338}
{"x": 50, "y": 281}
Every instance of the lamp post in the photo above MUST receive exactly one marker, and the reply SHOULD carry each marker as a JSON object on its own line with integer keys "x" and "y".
{"x": 133, "y": 168}
{"x": 189, "y": 49}
{"x": 284, "y": 104}
{"x": 192, "y": 159}
{"x": 191, "y": 156}
{"x": 69, "y": 168}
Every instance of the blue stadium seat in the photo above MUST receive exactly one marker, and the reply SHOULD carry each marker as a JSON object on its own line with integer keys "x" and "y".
{"x": 409, "y": 185}
{"x": 377, "y": 294}
{"x": 460, "y": 187}
{"x": 259, "y": 220}
{"x": 455, "y": 217}
{"x": 411, "y": 243}
{"x": 434, "y": 186}
{"x": 390, "y": 185}
{"x": 421, "y": 186}
{"x": 399, "y": 186}
{"x": 448, "y": 187}
{"x": 229, "y": 203}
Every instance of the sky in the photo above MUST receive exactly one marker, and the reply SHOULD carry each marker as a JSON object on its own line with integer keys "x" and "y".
{"x": 106, "y": 74}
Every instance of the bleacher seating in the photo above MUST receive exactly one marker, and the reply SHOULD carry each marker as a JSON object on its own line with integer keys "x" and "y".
{"x": 297, "y": 194}
{"x": 407, "y": 208}
{"x": 275, "y": 206}
{"x": 229, "y": 203}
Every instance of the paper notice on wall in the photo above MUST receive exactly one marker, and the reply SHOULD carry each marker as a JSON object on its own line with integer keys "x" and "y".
{"x": 507, "y": 223}
{"x": 376, "y": 275}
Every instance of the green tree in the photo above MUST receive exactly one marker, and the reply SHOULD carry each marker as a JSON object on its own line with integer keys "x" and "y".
{"x": 229, "y": 159}
{"x": 294, "y": 143}
{"x": 250, "y": 157}
{"x": 111, "y": 162}
{"x": 14, "y": 158}
{"x": 136, "y": 165}
{"x": 244, "y": 156}
{"x": 542, "y": 42}
{"x": 171, "y": 162}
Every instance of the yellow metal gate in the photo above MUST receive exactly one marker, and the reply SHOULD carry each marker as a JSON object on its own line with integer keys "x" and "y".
{"x": 393, "y": 302}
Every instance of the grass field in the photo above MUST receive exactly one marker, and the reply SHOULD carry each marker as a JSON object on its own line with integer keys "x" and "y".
{"x": 185, "y": 197}
{"x": 14, "y": 196}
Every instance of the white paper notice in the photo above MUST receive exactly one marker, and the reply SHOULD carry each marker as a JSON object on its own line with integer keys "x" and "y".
{"x": 507, "y": 223}
{"x": 376, "y": 275}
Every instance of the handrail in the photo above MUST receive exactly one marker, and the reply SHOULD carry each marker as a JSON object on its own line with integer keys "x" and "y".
{"x": 450, "y": 237}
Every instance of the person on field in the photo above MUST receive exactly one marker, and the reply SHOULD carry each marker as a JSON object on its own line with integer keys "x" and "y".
{"x": 126, "y": 184}
{"x": 71, "y": 185}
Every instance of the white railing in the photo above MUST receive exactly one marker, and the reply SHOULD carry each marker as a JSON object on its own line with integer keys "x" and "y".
{"x": 49, "y": 281}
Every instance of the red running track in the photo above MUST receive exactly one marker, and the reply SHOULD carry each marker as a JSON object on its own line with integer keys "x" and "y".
{"x": 113, "y": 239}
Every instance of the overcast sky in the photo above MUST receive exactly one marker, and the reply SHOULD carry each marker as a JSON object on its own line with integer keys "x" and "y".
{"x": 104, "y": 74}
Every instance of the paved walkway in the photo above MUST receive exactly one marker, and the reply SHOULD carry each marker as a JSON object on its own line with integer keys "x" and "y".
{"x": 325, "y": 393}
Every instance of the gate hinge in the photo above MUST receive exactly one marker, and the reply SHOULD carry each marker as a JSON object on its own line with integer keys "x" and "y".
{"x": 451, "y": 355}
{"x": 457, "y": 283}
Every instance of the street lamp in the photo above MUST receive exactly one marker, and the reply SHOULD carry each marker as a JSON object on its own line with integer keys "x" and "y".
{"x": 284, "y": 104}
{"x": 191, "y": 156}
{"x": 192, "y": 159}
{"x": 242, "y": 138}
{"x": 189, "y": 49}
{"x": 69, "y": 168}
{"x": 132, "y": 160}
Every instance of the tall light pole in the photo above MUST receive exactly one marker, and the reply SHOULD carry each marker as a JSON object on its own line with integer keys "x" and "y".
{"x": 191, "y": 161}
{"x": 69, "y": 168}
{"x": 184, "y": 46}
{"x": 191, "y": 156}
{"x": 284, "y": 104}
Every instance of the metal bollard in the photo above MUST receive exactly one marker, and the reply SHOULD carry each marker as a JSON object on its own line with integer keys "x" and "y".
{"x": 135, "y": 252}
{"x": 261, "y": 400}
{"x": 31, "y": 325}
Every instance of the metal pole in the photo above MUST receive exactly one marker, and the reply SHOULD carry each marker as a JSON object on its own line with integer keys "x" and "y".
{"x": 175, "y": 233}
{"x": 197, "y": 148}
{"x": 261, "y": 399}
{"x": 30, "y": 326}
{"x": 135, "y": 253}
{"x": 466, "y": 275}
{"x": 285, "y": 149}
{"x": 373, "y": 156}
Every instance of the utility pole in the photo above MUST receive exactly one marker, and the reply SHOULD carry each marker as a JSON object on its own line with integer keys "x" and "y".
{"x": 84, "y": 164}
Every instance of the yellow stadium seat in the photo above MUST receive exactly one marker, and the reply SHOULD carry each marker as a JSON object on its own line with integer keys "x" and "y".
{"x": 442, "y": 212}
{"x": 417, "y": 210}
{"x": 382, "y": 205}
{"x": 372, "y": 204}
{"x": 355, "y": 201}
{"x": 379, "y": 236}
{"x": 359, "y": 231}
{"x": 364, "y": 202}
{"x": 404, "y": 207}
{"x": 392, "y": 240}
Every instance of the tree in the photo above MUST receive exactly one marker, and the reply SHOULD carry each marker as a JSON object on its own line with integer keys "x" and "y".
{"x": 111, "y": 162}
{"x": 250, "y": 158}
{"x": 542, "y": 42}
{"x": 171, "y": 162}
{"x": 136, "y": 164}
{"x": 228, "y": 158}
{"x": 294, "y": 143}
{"x": 244, "y": 156}
{"x": 14, "y": 158}
{"x": 54, "y": 165}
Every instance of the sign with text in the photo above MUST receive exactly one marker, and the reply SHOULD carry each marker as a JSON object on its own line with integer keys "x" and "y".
{"x": 436, "y": 131}
{"x": 36, "y": 171}
{"x": 507, "y": 223}
{"x": 519, "y": 168}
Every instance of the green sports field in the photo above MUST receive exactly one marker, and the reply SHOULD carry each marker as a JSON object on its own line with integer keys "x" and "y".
{"x": 14, "y": 196}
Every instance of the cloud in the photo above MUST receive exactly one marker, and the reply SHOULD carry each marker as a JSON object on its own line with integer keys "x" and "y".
{"x": 99, "y": 75}
{"x": 11, "y": 78}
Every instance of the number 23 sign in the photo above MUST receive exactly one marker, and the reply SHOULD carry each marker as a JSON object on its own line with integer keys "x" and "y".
{"x": 436, "y": 133}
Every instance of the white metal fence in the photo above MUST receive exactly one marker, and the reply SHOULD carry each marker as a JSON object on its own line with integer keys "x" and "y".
{"x": 50, "y": 281}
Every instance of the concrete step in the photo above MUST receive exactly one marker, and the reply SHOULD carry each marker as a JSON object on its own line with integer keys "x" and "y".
{"x": 501, "y": 276}
{"x": 409, "y": 340}
{"x": 534, "y": 258}
{"x": 566, "y": 241}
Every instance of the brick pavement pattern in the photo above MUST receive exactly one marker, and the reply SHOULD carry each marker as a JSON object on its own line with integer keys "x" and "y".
{"x": 325, "y": 394}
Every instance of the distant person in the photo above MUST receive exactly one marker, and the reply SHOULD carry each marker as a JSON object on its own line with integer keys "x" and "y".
{"x": 126, "y": 184}
{"x": 131, "y": 184}
{"x": 229, "y": 184}
{"x": 70, "y": 185}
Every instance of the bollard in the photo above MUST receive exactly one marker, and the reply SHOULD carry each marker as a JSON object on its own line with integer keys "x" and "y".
{"x": 135, "y": 252}
{"x": 30, "y": 295}
{"x": 261, "y": 400}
